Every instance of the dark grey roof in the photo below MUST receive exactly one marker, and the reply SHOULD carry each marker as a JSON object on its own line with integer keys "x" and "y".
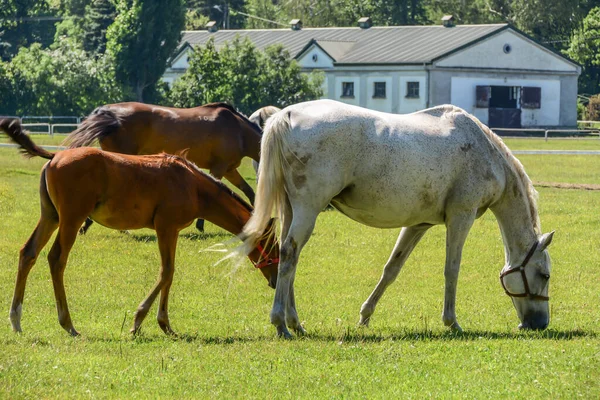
{"x": 376, "y": 45}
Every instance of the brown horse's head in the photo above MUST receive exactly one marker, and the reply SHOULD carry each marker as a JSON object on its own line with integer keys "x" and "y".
{"x": 266, "y": 255}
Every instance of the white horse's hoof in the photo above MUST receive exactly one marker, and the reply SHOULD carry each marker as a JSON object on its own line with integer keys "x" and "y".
{"x": 455, "y": 327}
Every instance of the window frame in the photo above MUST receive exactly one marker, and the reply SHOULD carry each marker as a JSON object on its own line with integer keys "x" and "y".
{"x": 410, "y": 86}
{"x": 344, "y": 95}
{"x": 379, "y": 84}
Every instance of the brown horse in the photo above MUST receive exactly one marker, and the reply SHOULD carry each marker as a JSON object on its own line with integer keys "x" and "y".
{"x": 161, "y": 192}
{"x": 215, "y": 136}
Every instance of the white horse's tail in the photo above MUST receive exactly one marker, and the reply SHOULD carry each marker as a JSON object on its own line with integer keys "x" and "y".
{"x": 270, "y": 192}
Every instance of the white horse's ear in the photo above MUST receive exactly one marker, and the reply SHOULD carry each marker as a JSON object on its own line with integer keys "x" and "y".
{"x": 546, "y": 239}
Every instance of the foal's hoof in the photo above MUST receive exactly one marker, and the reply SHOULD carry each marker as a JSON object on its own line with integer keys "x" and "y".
{"x": 364, "y": 322}
{"x": 200, "y": 225}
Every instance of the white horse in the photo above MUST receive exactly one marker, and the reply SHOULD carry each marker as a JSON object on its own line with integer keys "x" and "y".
{"x": 436, "y": 166}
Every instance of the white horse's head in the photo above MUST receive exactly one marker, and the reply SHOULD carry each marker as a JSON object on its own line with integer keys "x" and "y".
{"x": 527, "y": 285}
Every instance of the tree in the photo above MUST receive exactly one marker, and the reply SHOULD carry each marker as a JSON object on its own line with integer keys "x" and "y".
{"x": 20, "y": 28}
{"x": 99, "y": 15}
{"x": 245, "y": 77}
{"x": 61, "y": 80}
{"x": 143, "y": 37}
{"x": 585, "y": 49}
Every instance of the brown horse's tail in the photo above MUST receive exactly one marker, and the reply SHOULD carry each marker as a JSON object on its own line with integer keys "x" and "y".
{"x": 15, "y": 131}
{"x": 100, "y": 123}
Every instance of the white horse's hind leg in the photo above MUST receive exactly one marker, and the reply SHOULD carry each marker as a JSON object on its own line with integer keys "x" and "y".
{"x": 284, "y": 308}
{"x": 408, "y": 239}
{"x": 457, "y": 229}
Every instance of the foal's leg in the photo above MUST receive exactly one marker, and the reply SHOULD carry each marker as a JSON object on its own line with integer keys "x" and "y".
{"x": 57, "y": 258}
{"x": 299, "y": 232}
{"x": 29, "y": 253}
{"x": 408, "y": 239}
{"x": 167, "y": 242}
{"x": 457, "y": 229}
{"x": 234, "y": 177}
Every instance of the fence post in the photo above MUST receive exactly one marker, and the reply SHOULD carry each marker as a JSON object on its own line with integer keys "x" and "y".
{"x": 546, "y": 135}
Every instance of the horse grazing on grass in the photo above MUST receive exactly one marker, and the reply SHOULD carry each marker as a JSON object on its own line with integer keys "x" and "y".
{"x": 436, "y": 166}
{"x": 215, "y": 136}
{"x": 161, "y": 192}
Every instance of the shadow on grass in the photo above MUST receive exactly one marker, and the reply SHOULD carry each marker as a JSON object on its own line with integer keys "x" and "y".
{"x": 150, "y": 238}
{"x": 355, "y": 336}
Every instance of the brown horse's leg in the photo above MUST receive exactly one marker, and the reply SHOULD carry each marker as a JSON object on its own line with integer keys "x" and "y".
{"x": 29, "y": 253}
{"x": 234, "y": 177}
{"x": 57, "y": 258}
{"x": 167, "y": 243}
{"x": 86, "y": 225}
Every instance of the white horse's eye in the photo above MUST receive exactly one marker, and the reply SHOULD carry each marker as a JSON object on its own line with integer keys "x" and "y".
{"x": 546, "y": 276}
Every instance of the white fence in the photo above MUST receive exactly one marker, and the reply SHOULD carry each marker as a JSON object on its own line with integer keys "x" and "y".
{"x": 547, "y": 132}
{"x": 48, "y": 128}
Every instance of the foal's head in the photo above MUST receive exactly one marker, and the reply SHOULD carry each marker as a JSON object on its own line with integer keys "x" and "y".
{"x": 266, "y": 255}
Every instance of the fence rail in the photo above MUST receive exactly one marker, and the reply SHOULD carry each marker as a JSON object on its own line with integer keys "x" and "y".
{"x": 547, "y": 132}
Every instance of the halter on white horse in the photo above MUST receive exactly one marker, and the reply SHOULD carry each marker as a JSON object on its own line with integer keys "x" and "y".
{"x": 437, "y": 166}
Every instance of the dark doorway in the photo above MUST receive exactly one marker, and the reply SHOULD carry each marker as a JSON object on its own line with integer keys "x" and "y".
{"x": 504, "y": 111}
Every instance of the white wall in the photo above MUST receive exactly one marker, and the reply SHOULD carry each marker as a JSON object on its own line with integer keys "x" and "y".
{"x": 380, "y": 104}
{"x": 315, "y": 58}
{"x": 338, "y": 89}
{"x": 463, "y": 96}
{"x": 408, "y": 105}
{"x": 524, "y": 54}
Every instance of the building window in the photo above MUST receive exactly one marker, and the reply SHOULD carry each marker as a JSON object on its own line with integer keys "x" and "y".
{"x": 347, "y": 89}
{"x": 379, "y": 90}
{"x": 412, "y": 90}
{"x": 531, "y": 97}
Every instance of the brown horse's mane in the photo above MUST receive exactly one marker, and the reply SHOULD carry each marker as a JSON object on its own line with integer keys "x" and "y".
{"x": 236, "y": 112}
{"x": 182, "y": 160}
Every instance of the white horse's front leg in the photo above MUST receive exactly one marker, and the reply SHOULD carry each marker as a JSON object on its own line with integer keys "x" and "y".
{"x": 457, "y": 229}
{"x": 408, "y": 239}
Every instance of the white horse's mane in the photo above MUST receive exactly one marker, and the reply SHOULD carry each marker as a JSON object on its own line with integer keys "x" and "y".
{"x": 518, "y": 169}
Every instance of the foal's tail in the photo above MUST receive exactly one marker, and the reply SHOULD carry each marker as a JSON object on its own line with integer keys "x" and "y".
{"x": 16, "y": 133}
{"x": 100, "y": 123}
{"x": 270, "y": 192}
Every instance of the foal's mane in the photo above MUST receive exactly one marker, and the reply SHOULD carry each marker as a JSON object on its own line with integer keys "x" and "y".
{"x": 236, "y": 112}
{"x": 182, "y": 160}
{"x": 517, "y": 168}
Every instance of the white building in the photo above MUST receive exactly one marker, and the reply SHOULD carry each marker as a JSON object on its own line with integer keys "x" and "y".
{"x": 494, "y": 71}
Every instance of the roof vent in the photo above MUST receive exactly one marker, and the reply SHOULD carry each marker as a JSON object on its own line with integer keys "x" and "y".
{"x": 296, "y": 24}
{"x": 365, "y": 23}
{"x": 212, "y": 26}
{"x": 448, "y": 21}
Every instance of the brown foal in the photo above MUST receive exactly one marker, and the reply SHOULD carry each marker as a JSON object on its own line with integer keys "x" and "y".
{"x": 161, "y": 192}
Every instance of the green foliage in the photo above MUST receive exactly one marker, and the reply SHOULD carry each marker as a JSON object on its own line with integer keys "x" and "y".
{"x": 244, "y": 76}
{"x": 585, "y": 49}
{"x": 98, "y": 17}
{"x": 15, "y": 33}
{"x": 144, "y": 36}
{"x": 62, "y": 80}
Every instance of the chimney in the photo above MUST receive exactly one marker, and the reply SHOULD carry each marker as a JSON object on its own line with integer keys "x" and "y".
{"x": 212, "y": 26}
{"x": 296, "y": 24}
{"x": 365, "y": 23}
{"x": 448, "y": 21}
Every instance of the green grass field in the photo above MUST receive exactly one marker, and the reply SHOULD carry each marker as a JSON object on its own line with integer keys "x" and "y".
{"x": 227, "y": 347}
